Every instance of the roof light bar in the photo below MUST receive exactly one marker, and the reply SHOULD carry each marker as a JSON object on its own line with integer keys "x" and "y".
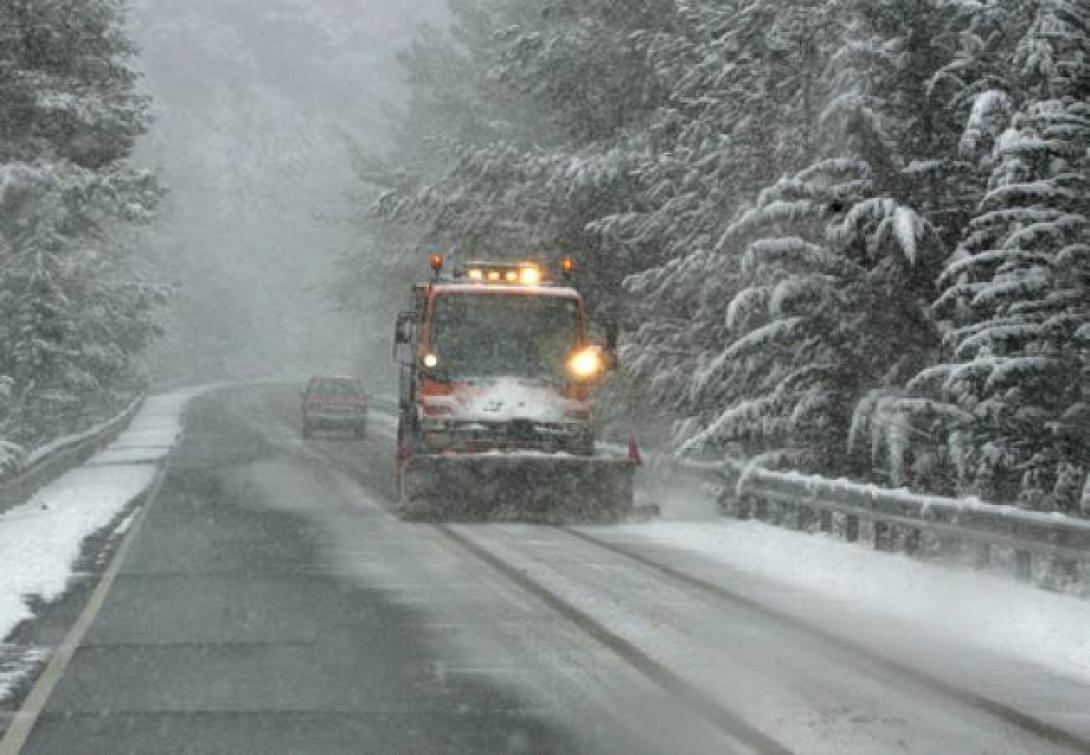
{"x": 567, "y": 266}
{"x": 518, "y": 273}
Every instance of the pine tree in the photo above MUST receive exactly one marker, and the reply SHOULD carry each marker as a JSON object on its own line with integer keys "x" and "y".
{"x": 67, "y": 84}
{"x": 828, "y": 272}
{"x": 745, "y": 91}
{"x": 1018, "y": 288}
{"x": 561, "y": 85}
{"x": 837, "y": 222}
{"x": 72, "y": 312}
{"x": 796, "y": 301}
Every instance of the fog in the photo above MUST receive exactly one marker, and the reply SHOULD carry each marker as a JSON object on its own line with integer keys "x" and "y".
{"x": 256, "y": 103}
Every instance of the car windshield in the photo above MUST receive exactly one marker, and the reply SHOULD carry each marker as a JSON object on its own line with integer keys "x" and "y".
{"x": 337, "y": 388}
{"x": 492, "y": 335}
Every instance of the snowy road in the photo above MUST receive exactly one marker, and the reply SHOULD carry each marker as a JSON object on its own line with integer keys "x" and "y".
{"x": 271, "y": 603}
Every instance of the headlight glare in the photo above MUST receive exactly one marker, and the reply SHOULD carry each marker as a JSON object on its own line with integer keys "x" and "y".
{"x": 585, "y": 364}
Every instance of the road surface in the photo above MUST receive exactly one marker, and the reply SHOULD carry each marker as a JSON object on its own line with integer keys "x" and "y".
{"x": 269, "y": 602}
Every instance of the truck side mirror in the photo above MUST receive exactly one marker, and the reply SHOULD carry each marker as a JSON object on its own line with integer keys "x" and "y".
{"x": 403, "y": 331}
{"x": 610, "y": 350}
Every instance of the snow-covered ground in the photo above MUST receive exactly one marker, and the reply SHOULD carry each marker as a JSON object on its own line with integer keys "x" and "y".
{"x": 822, "y": 576}
{"x": 41, "y": 539}
{"x": 33, "y": 457}
{"x": 14, "y": 459}
{"x": 806, "y": 574}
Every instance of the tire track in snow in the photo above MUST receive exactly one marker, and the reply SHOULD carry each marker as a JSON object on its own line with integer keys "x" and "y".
{"x": 995, "y": 708}
{"x": 726, "y": 720}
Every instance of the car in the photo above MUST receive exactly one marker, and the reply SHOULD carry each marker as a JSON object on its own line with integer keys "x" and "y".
{"x": 334, "y": 403}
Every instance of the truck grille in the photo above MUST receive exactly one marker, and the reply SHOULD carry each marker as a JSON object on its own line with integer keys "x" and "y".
{"x": 514, "y": 434}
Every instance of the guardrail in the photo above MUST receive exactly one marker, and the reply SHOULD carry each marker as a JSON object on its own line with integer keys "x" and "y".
{"x": 1049, "y": 547}
{"x": 45, "y": 464}
{"x": 891, "y": 519}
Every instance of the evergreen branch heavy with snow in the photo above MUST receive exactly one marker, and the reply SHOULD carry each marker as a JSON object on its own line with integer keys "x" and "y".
{"x": 1017, "y": 288}
{"x": 844, "y": 235}
{"x": 74, "y": 313}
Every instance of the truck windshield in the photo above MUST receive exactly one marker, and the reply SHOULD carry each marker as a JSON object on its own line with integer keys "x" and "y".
{"x": 492, "y": 335}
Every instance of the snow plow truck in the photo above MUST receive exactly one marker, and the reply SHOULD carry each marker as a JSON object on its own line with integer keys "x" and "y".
{"x": 495, "y": 419}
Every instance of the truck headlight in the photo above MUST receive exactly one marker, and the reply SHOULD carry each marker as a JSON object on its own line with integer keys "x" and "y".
{"x": 585, "y": 364}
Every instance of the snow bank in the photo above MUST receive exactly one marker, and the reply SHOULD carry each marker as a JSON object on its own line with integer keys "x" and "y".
{"x": 14, "y": 459}
{"x": 41, "y": 539}
{"x": 990, "y": 612}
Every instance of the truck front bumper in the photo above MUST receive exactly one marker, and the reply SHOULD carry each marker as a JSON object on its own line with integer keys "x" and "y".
{"x": 468, "y": 436}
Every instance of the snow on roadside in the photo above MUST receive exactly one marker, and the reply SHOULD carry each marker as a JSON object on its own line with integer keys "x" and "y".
{"x": 987, "y": 611}
{"x": 14, "y": 662}
{"x": 36, "y": 455}
{"x": 41, "y": 539}
{"x": 12, "y": 459}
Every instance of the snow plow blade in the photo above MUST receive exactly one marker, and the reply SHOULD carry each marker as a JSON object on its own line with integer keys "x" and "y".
{"x": 516, "y": 487}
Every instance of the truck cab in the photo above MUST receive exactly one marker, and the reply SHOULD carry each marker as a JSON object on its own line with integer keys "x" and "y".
{"x": 495, "y": 357}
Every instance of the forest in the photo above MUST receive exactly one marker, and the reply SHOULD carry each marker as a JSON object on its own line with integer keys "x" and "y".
{"x": 842, "y": 236}
{"x": 75, "y": 307}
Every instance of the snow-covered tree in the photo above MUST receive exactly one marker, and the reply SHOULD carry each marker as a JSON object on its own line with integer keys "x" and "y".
{"x": 577, "y": 68}
{"x": 796, "y": 302}
{"x": 733, "y": 121}
{"x": 67, "y": 86}
{"x": 852, "y": 233}
{"x": 745, "y": 89}
{"x": 556, "y": 89}
{"x": 1017, "y": 290}
{"x": 72, "y": 312}
{"x": 828, "y": 272}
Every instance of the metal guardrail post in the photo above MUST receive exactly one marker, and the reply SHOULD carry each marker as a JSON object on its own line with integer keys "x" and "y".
{"x": 744, "y": 507}
{"x": 804, "y": 515}
{"x": 68, "y": 454}
{"x": 1068, "y": 568}
{"x": 901, "y": 518}
{"x": 851, "y": 528}
{"x": 782, "y": 513}
{"x": 882, "y": 536}
{"x": 912, "y": 540}
{"x": 1023, "y": 565}
{"x": 760, "y": 509}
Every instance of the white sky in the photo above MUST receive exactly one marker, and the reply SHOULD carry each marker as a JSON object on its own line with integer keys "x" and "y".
{"x": 254, "y": 103}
